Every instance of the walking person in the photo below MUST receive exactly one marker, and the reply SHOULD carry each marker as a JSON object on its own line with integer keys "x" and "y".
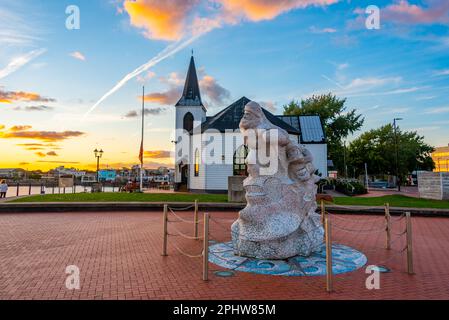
{"x": 3, "y": 189}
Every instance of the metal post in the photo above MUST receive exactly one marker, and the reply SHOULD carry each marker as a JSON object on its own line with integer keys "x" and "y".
{"x": 327, "y": 230}
{"x": 18, "y": 187}
{"x": 409, "y": 243}
{"x": 206, "y": 247}
{"x": 388, "y": 226}
{"x": 29, "y": 189}
{"x": 164, "y": 247}
{"x": 195, "y": 220}
{"x": 323, "y": 211}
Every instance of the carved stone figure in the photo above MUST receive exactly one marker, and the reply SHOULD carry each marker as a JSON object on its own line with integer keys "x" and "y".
{"x": 279, "y": 220}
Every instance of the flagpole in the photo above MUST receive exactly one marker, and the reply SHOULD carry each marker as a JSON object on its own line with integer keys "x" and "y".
{"x": 143, "y": 125}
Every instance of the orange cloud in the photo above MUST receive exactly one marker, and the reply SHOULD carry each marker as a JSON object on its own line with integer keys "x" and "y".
{"x": 215, "y": 92}
{"x": 52, "y": 154}
{"x": 40, "y": 154}
{"x": 19, "y": 128}
{"x": 24, "y": 132}
{"x": 158, "y": 154}
{"x": 171, "y": 96}
{"x": 11, "y": 96}
{"x": 160, "y": 19}
{"x": 257, "y": 10}
{"x": 172, "y": 19}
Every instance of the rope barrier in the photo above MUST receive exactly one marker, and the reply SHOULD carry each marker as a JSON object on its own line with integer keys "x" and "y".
{"x": 183, "y": 220}
{"x": 186, "y": 254}
{"x": 182, "y": 208}
{"x": 360, "y": 231}
{"x": 180, "y": 233}
{"x": 354, "y": 220}
{"x": 383, "y": 226}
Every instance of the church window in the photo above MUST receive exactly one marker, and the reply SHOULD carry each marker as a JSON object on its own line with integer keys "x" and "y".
{"x": 240, "y": 155}
{"x": 188, "y": 122}
{"x": 197, "y": 163}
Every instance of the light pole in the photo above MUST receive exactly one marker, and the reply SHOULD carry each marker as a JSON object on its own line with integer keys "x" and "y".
{"x": 398, "y": 183}
{"x": 98, "y": 155}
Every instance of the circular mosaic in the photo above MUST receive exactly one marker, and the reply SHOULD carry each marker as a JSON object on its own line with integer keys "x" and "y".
{"x": 344, "y": 259}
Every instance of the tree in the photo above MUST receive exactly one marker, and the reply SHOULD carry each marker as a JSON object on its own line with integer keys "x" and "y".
{"x": 337, "y": 121}
{"x": 377, "y": 148}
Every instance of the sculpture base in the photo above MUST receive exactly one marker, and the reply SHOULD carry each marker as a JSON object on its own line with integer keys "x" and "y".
{"x": 307, "y": 239}
{"x": 344, "y": 259}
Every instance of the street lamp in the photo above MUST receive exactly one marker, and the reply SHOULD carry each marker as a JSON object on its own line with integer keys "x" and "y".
{"x": 98, "y": 155}
{"x": 398, "y": 183}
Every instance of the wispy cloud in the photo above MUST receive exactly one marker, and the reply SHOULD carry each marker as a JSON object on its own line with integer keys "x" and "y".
{"x": 158, "y": 154}
{"x": 13, "y": 96}
{"x": 20, "y": 61}
{"x": 25, "y": 132}
{"x": 444, "y": 72}
{"x": 397, "y": 110}
{"x": 34, "y": 108}
{"x": 314, "y": 29}
{"x": 436, "y": 12}
{"x": 148, "y": 111}
{"x": 437, "y": 110}
{"x": 15, "y": 30}
{"x": 78, "y": 55}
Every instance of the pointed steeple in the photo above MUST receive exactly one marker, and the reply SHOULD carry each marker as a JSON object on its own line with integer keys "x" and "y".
{"x": 191, "y": 95}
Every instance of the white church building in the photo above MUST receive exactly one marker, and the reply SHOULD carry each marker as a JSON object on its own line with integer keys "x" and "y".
{"x": 200, "y": 168}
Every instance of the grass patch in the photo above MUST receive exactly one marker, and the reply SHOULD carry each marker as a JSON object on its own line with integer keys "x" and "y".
{"x": 394, "y": 201}
{"x": 124, "y": 197}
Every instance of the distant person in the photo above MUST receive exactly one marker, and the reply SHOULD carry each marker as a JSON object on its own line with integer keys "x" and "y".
{"x": 3, "y": 189}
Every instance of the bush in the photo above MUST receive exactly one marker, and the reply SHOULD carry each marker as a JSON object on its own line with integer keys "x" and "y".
{"x": 349, "y": 187}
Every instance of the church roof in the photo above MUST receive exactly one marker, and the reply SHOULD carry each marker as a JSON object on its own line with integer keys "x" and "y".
{"x": 191, "y": 95}
{"x": 229, "y": 118}
{"x": 310, "y": 127}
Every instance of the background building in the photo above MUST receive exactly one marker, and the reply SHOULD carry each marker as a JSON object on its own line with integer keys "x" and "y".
{"x": 441, "y": 158}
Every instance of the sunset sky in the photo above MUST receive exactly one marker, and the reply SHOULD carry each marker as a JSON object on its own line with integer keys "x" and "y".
{"x": 62, "y": 92}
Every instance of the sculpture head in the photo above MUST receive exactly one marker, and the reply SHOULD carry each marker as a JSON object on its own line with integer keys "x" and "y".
{"x": 252, "y": 117}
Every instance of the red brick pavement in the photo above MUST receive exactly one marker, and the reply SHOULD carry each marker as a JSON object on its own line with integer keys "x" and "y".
{"x": 119, "y": 258}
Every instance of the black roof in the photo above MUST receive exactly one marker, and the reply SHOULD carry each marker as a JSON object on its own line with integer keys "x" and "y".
{"x": 230, "y": 117}
{"x": 191, "y": 95}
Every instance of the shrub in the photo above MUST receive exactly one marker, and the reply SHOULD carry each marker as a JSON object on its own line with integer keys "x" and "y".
{"x": 349, "y": 187}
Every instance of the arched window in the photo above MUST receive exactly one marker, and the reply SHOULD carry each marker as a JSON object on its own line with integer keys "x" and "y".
{"x": 239, "y": 161}
{"x": 188, "y": 122}
{"x": 197, "y": 163}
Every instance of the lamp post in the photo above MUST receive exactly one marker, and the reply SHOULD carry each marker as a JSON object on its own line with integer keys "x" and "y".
{"x": 98, "y": 155}
{"x": 398, "y": 183}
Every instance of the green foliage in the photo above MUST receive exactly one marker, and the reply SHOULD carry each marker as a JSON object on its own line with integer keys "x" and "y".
{"x": 377, "y": 148}
{"x": 349, "y": 187}
{"x": 338, "y": 122}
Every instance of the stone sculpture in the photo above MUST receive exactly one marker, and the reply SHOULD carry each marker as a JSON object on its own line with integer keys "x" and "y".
{"x": 279, "y": 220}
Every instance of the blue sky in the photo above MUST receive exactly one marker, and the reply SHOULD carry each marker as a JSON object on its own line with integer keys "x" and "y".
{"x": 269, "y": 51}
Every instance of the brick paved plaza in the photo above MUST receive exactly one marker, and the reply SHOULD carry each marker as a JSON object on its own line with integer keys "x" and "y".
{"x": 119, "y": 257}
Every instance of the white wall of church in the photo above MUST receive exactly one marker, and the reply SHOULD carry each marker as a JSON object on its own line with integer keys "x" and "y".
{"x": 218, "y": 172}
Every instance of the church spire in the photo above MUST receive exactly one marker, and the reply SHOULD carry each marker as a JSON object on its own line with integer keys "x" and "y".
{"x": 191, "y": 95}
